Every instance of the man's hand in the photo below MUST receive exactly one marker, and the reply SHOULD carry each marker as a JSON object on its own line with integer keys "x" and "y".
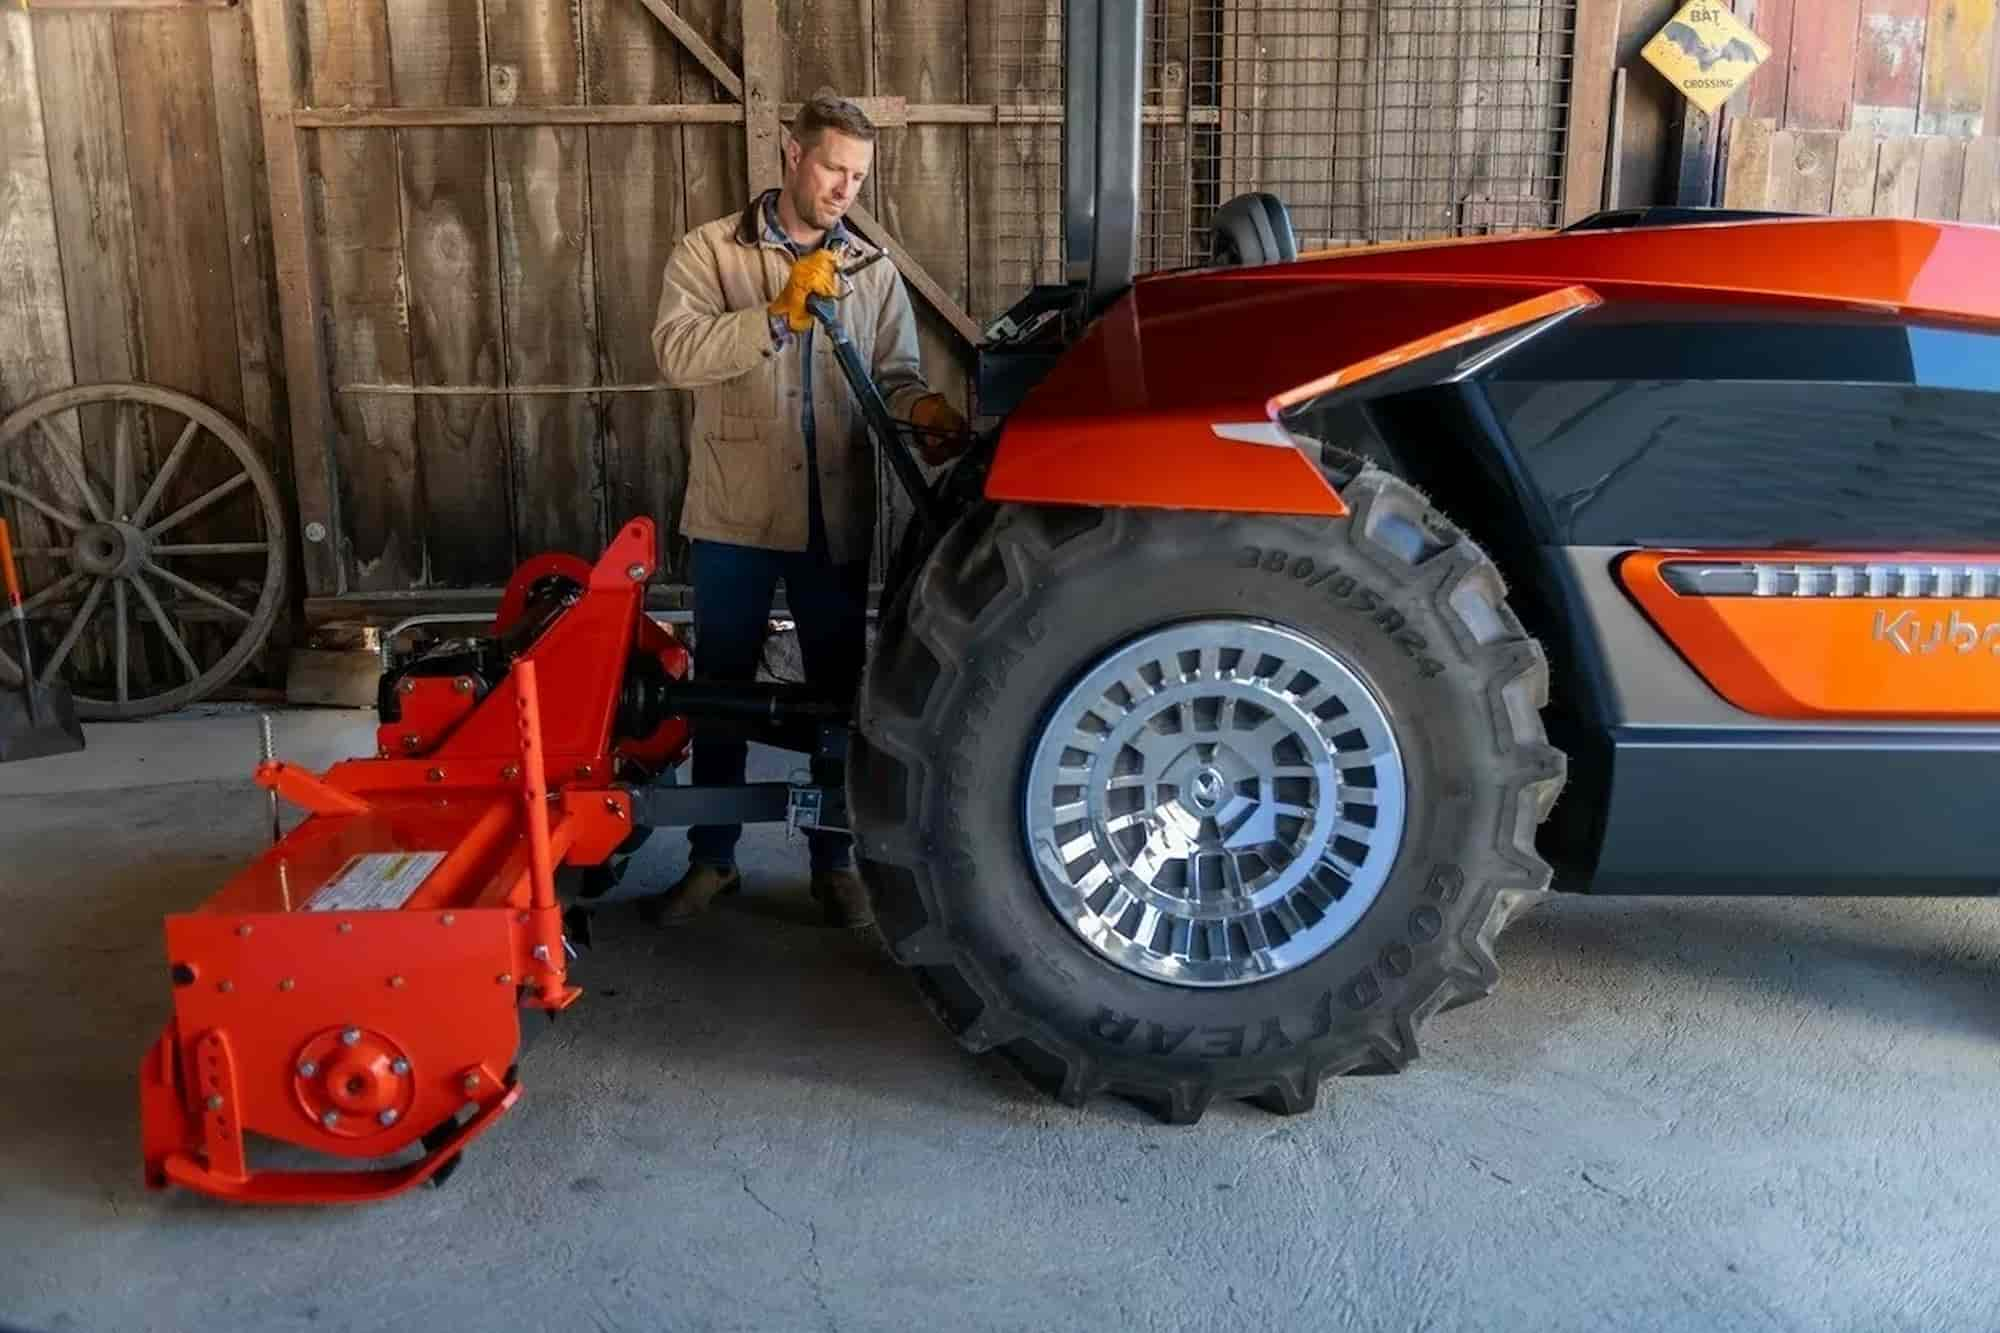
{"x": 818, "y": 274}
{"x": 941, "y": 430}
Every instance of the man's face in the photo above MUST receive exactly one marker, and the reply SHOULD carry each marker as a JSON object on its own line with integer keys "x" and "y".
{"x": 825, "y": 179}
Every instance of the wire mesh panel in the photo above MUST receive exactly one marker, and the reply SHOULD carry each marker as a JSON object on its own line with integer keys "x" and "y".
{"x": 1016, "y": 163}
{"x": 1174, "y": 133}
{"x": 1382, "y": 120}
{"x": 1373, "y": 120}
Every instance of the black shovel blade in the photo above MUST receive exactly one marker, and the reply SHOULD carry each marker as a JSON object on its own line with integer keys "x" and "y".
{"x": 51, "y": 728}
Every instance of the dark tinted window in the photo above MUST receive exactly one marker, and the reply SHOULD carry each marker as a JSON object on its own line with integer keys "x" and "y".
{"x": 1708, "y": 432}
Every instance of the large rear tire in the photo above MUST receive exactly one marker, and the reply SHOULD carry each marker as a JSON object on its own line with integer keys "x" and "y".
{"x": 1333, "y": 724}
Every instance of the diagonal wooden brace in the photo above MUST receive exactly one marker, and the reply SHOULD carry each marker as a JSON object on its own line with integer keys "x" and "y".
{"x": 760, "y": 121}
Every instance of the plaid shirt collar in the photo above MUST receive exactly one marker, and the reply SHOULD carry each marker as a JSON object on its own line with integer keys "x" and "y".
{"x": 774, "y": 230}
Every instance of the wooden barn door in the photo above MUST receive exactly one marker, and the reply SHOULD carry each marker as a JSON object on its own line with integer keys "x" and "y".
{"x": 473, "y": 200}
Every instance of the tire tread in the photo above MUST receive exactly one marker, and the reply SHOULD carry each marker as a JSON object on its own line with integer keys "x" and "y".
{"x": 945, "y": 608}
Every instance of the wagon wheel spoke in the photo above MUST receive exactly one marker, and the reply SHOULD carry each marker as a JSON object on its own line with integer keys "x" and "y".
{"x": 193, "y": 507}
{"x": 28, "y": 607}
{"x": 196, "y": 591}
{"x": 215, "y": 548}
{"x": 165, "y": 474}
{"x": 74, "y": 632}
{"x": 123, "y": 644}
{"x": 121, "y": 464}
{"x": 50, "y": 593}
{"x": 41, "y": 506}
{"x": 69, "y": 452}
{"x": 167, "y": 629}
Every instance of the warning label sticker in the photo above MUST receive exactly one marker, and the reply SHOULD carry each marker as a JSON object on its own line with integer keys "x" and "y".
{"x": 377, "y": 882}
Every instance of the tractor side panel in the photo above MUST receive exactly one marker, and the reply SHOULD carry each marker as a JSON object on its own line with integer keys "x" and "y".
{"x": 1687, "y": 793}
{"x": 1773, "y": 537}
{"x": 1814, "y": 498}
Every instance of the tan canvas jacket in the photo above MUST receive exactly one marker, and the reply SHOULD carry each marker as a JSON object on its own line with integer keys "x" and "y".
{"x": 747, "y": 457}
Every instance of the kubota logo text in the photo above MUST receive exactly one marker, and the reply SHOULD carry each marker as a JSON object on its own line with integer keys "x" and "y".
{"x": 1908, "y": 633}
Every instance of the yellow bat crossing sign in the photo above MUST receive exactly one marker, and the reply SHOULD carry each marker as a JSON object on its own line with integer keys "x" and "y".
{"x": 1706, "y": 52}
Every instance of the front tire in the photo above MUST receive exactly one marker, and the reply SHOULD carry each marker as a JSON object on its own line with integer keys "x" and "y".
{"x": 1334, "y": 725}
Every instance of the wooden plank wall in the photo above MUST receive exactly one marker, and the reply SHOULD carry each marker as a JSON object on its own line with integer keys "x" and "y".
{"x": 527, "y": 258}
{"x": 1860, "y": 173}
{"x": 34, "y": 319}
{"x": 1889, "y": 67}
{"x": 450, "y": 246}
{"x": 515, "y": 267}
{"x": 1865, "y": 107}
{"x": 1897, "y": 67}
{"x": 136, "y": 243}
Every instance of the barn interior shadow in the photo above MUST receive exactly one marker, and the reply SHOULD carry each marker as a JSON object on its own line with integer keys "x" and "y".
{"x": 1923, "y": 961}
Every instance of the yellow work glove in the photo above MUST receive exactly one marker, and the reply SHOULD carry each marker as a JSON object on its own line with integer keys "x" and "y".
{"x": 941, "y": 427}
{"x": 818, "y": 274}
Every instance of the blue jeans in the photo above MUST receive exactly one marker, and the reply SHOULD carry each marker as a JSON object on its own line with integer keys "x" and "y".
{"x": 733, "y": 590}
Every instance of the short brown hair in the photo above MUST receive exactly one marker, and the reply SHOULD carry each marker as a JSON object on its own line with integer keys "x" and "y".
{"x": 828, "y": 110}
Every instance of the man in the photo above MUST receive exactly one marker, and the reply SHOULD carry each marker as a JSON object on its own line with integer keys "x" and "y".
{"x": 781, "y": 476}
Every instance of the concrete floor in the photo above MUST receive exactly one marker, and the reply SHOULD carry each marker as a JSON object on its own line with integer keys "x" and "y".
{"x": 1696, "y": 1114}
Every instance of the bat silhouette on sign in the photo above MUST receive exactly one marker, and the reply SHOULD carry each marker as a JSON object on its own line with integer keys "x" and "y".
{"x": 1706, "y": 56}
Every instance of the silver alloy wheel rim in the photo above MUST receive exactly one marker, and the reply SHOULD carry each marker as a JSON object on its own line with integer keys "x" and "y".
{"x": 1215, "y": 803}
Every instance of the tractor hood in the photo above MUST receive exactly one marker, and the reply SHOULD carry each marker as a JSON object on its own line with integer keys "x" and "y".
{"x": 1173, "y": 397}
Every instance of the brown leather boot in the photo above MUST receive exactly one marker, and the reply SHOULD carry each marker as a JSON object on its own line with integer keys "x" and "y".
{"x": 843, "y": 898}
{"x": 690, "y": 896}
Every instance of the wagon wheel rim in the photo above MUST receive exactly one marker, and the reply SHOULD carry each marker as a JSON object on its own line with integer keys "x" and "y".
{"x": 114, "y": 542}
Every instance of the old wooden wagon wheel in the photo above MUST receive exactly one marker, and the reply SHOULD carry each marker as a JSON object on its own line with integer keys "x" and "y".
{"x": 114, "y": 539}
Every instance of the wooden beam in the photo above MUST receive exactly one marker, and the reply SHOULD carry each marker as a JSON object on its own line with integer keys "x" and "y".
{"x": 298, "y": 300}
{"x": 493, "y": 390}
{"x": 941, "y": 300}
{"x": 1854, "y": 164}
{"x": 888, "y": 112}
{"x": 451, "y": 273}
{"x": 386, "y": 608}
{"x": 757, "y": 14}
{"x": 77, "y": 68}
{"x": 763, "y": 82}
{"x": 1694, "y": 157}
{"x": 35, "y": 351}
{"x": 1747, "y": 184}
{"x": 122, "y": 6}
{"x": 400, "y": 117}
{"x": 1586, "y": 135}
{"x": 248, "y": 215}
{"x": 1820, "y": 93}
{"x": 1958, "y": 51}
{"x": 697, "y": 47}
{"x": 1802, "y": 169}
{"x": 1940, "y": 177}
{"x": 1896, "y": 168}
{"x": 1980, "y": 199}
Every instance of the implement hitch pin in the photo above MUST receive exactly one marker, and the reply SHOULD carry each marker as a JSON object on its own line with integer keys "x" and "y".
{"x": 270, "y": 752}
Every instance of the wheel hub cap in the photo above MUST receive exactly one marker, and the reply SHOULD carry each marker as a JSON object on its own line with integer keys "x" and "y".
{"x": 1215, "y": 803}
{"x": 109, "y": 550}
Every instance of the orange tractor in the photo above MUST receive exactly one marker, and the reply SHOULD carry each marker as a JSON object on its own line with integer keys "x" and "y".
{"x": 1224, "y": 695}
